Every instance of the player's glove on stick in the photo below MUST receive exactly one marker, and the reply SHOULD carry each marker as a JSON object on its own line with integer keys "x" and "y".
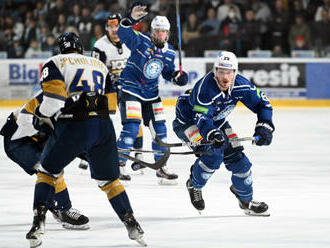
{"x": 219, "y": 139}
{"x": 264, "y": 130}
{"x": 180, "y": 79}
{"x": 137, "y": 12}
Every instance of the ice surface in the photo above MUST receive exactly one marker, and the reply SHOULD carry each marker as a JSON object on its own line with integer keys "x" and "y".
{"x": 292, "y": 176}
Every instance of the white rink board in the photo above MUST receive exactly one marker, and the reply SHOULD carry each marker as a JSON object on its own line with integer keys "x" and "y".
{"x": 292, "y": 176}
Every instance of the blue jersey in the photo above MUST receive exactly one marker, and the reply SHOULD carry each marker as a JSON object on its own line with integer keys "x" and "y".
{"x": 207, "y": 106}
{"x": 145, "y": 65}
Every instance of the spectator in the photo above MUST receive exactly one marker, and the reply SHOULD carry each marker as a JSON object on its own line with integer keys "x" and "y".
{"x": 277, "y": 52}
{"x": 325, "y": 6}
{"x": 321, "y": 33}
{"x": 160, "y": 5}
{"x": 191, "y": 28}
{"x": 300, "y": 44}
{"x": 261, "y": 11}
{"x": 300, "y": 28}
{"x": 55, "y": 12}
{"x": 98, "y": 33}
{"x": 74, "y": 18}
{"x": 39, "y": 9}
{"x": 296, "y": 9}
{"x": 32, "y": 32}
{"x": 85, "y": 27}
{"x": 44, "y": 32}
{"x": 50, "y": 44}
{"x": 117, "y": 7}
{"x": 250, "y": 33}
{"x": 60, "y": 26}
{"x": 198, "y": 7}
{"x": 278, "y": 27}
{"x": 211, "y": 25}
{"x": 32, "y": 49}
{"x": 15, "y": 49}
{"x": 223, "y": 10}
{"x": 100, "y": 13}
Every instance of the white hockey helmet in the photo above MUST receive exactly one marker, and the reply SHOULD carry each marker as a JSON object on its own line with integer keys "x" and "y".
{"x": 226, "y": 60}
{"x": 160, "y": 22}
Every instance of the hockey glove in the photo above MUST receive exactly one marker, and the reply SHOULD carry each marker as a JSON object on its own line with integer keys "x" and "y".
{"x": 219, "y": 139}
{"x": 264, "y": 130}
{"x": 136, "y": 12}
{"x": 180, "y": 79}
{"x": 43, "y": 123}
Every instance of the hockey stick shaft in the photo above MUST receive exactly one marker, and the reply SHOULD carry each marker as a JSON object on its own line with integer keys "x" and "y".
{"x": 168, "y": 145}
{"x": 159, "y": 152}
{"x": 158, "y": 164}
{"x": 178, "y": 22}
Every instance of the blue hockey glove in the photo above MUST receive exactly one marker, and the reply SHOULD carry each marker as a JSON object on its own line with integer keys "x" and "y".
{"x": 43, "y": 123}
{"x": 180, "y": 79}
{"x": 137, "y": 12}
{"x": 219, "y": 139}
{"x": 264, "y": 130}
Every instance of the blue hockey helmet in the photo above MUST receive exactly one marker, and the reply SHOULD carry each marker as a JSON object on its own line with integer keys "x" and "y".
{"x": 69, "y": 42}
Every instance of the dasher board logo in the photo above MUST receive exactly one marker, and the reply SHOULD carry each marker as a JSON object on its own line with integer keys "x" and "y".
{"x": 272, "y": 75}
{"x": 24, "y": 73}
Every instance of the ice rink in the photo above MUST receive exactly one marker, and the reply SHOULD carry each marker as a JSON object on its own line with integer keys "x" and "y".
{"x": 292, "y": 176}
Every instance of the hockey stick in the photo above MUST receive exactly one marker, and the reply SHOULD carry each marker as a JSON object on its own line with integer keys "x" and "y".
{"x": 168, "y": 145}
{"x": 179, "y": 34}
{"x": 159, "y": 152}
{"x": 157, "y": 165}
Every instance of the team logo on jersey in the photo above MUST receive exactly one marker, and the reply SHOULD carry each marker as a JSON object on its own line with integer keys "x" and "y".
{"x": 153, "y": 68}
{"x": 223, "y": 113}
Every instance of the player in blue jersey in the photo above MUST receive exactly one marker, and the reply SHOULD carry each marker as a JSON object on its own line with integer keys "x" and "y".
{"x": 138, "y": 83}
{"x": 201, "y": 116}
{"x": 75, "y": 105}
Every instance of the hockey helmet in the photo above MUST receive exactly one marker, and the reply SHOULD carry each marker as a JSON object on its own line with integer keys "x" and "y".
{"x": 114, "y": 19}
{"x": 226, "y": 60}
{"x": 69, "y": 42}
{"x": 161, "y": 23}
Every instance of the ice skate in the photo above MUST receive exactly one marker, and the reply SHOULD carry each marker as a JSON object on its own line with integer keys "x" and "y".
{"x": 71, "y": 219}
{"x": 253, "y": 208}
{"x": 134, "y": 230}
{"x": 196, "y": 197}
{"x": 34, "y": 236}
{"x": 123, "y": 175}
{"x": 83, "y": 165}
{"x": 166, "y": 177}
{"x": 137, "y": 166}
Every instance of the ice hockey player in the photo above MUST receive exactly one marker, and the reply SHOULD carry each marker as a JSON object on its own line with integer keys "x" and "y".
{"x": 201, "y": 116}
{"x": 114, "y": 54}
{"x": 23, "y": 144}
{"x": 138, "y": 83}
{"x": 75, "y": 104}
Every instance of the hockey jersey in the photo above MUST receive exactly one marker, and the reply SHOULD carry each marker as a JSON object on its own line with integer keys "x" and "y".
{"x": 65, "y": 75}
{"x": 145, "y": 65}
{"x": 114, "y": 57}
{"x": 207, "y": 106}
{"x": 20, "y": 122}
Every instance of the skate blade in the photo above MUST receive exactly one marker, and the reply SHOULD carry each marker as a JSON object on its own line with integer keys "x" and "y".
{"x": 141, "y": 242}
{"x": 251, "y": 213}
{"x": 164, "y": 181}
{"x": 35, "y": 243}
{"x": 75, "y": 227}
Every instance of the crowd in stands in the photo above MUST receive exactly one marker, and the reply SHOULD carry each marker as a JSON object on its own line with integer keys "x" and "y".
{"x": 280, "y": 26}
